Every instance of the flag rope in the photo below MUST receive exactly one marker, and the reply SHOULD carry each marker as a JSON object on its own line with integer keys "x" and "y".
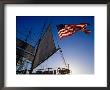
{"x": 61, "y": 53}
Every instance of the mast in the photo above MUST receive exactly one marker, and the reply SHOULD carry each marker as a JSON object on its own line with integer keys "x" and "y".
{"x": 37, "y": 49}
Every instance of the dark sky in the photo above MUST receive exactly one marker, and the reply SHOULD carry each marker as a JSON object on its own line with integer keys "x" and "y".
{"x": 78, "y": 49}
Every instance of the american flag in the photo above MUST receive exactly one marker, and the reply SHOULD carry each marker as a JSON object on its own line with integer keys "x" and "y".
{"x": 65, "y": 30}
{"x": 69, "y": 29}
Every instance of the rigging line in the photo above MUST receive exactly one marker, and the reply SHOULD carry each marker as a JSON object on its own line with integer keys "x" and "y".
{"x": 43, "y": 28}
{"x": 63, "y": 57}
{"x": 36, "y": 49}
{"x": 61, "y": 53}
{"x": 20, "y": 32}
{"x": 40, "y": 36}
{"x": 28, "y": 35}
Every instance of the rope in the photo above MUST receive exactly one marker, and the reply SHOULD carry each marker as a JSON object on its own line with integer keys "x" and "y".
{"x": 63, "y": 57}
{"x": 61, "y": 53}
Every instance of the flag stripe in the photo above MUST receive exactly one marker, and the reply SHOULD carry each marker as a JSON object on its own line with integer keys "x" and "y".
{"x": 81, "y": 26}
{"x": 66, "y": 34}
{"x": 66, "y": 30}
